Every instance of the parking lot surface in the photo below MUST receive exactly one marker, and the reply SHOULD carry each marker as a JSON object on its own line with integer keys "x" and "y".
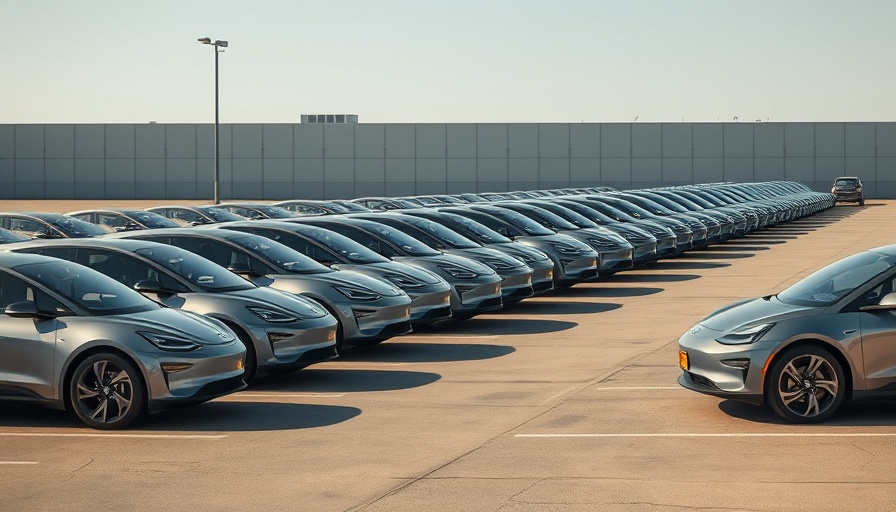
{"x": 563, "y": 402}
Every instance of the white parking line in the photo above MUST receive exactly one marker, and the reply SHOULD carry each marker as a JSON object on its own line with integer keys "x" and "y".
{"x": 736, "y": 434}
{"x": 129, "y": 436}
{"x": 16, "y": 463}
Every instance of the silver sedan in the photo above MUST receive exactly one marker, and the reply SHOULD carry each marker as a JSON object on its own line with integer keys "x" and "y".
{"x": 72, "y": 338}
{"x": 827, "y": 338}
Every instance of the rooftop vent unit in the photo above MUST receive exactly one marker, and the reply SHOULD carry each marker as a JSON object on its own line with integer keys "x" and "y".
{"x": 329, "y": 118}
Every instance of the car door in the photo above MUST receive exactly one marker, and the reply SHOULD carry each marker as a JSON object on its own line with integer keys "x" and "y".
{"x": 878, "y": 330}
{"x": 28, "y": 345}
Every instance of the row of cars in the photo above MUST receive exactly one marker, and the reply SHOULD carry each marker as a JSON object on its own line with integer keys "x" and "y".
{"x": 138, "y": 312}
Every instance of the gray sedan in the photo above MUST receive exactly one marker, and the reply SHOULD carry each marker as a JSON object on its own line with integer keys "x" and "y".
{"x": 72, "y": 338}
{"x": 368, "y": 310}
{"x": 280, "y": 331}
{"x": 827, "y": 338}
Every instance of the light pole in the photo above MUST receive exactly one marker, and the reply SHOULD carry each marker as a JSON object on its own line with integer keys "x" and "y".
{"x": 217, "y": 44}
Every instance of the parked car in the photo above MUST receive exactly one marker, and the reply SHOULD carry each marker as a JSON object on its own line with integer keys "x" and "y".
{"x": 828, "y": 338}
{"x": 48, "y": 225}
{"x": 280, "y": 331}
{"x": 516, "y": 275}
{"x": 122, "y": 355}
{"x": 475, "y": 288}
{"x": 368, "y": 310}
{"x": 195, "y": 215}
{"x": 310, "y": 207}
{"x": 430, "y": 294}
{"x": 123, "y": 219}
{"x": 848, "y": 189}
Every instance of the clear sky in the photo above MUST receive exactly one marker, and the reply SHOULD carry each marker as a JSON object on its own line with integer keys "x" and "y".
{"x": 451, "y": 61}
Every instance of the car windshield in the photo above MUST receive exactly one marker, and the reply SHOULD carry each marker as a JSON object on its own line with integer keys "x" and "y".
{"x": 519, "y": 220}
{"x": 837, "y": 280}
{"x": 75, "y": 228}
{"x": 201, "y": 272}
{"x": 472, "y": 229}
{"x": 220, "y": 214}
{"x": 283, "y": 257}
{"x": 846, "y": 182}
{"x": 406, "y": 243}
{"x": 93, "y": 291}
{"x": 153, "y": 220}
{"x": 274, "y": 212}
{"x": 630, "y": 208}
{"x": 9, "y": 236}
{"x": 445, "y": 235}
{"x": 569, "y": 215}
{"x": 556, "y": 220}
{"x": 343, "y": 246}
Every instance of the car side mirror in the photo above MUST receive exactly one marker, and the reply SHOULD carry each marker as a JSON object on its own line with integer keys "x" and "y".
{"x": 24, "y": 309}
{"x": 150, "y": 286}
{"x": 887, "y": 303}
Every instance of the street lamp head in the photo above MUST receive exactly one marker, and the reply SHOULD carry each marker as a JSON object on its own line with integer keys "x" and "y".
{"x": 219, "y": 43}
{"x": 205, "y": 40}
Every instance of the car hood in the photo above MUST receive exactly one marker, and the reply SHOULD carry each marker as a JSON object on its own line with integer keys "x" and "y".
{"x": 750, "y": 312}
{"x": 262, "y": 296}
{"x": 349, "y": 278}
{"x": 177, "y": 322}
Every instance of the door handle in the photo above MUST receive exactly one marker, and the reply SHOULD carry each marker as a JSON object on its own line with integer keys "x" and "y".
{"x": 851, "y": 331}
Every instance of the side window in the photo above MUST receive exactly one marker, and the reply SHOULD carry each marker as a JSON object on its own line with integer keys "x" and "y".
{"x": 494, "y": 224}
{"x": 358, "y": 236}
{"x": 28, "y": 227}
{"x": 873, "y": 296}
{"x": 187, "y": 216}
{"x": 13, "y": 289}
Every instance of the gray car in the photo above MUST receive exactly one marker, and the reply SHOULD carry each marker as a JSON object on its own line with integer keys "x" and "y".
{"x": 430, "y": 294}
{"x": 195, "y": 215}
{"x": 281, "y": 331}
{"x": 828, "y": 338}
{"x": 368, "y": 310}
{"x": 48, "y": 225}
{"x": 122, "y": 219}
{"x": 72, "y": 338}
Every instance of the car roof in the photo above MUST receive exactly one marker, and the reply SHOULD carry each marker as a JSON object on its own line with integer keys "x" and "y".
{"x": 129, "y": 245}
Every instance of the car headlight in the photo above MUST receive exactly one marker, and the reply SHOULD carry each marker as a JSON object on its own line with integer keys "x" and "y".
{"x": 499, "y": 264}
{"x": 565, "y": 248}
{"x": 272, "y": 315}
{"x": 169, "y": 342}
{"x": 745, "y": 336}
{"x": 459, "y": 272}
{"x": 403, "y": 281}
{"x": 358, "y": 293}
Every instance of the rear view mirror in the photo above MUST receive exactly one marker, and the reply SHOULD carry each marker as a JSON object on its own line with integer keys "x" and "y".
{"x": 24, "y": 309}
{"x": 887, "y": 303}
{"x": 150, "y": 286}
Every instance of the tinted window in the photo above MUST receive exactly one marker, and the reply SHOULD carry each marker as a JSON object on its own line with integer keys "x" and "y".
{"x": 197, "y": 270}
{"x": 75, "y": 228}
{"x": 837, "y": 280}
{"x": 280, "y": 255}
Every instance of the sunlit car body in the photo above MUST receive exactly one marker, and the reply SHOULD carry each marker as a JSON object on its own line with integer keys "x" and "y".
{"x": 124, "y": 219}
{"x": 48, "y": 225}
{"x": 430, "y": 294}
{"x": 281, "y": 332}
{"x": 614, "y": 251}
{"x": 574, "y": 261}
{"x": 368, "y": 309}
{"x": 195, "y": 215}
{"x": 475, "y": 288}
{"x": 72, "y": 338}
{"x": 516, "y": 276}
{"x": 848, "y": 189}
{"x": 828, "y": 338}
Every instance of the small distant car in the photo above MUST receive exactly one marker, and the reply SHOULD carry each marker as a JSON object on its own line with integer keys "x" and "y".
{"x": 828, "y": 338}
{"x": 123, "y": 219}
{"x": 848, "y": 189}
{"x": 75, "y": 339}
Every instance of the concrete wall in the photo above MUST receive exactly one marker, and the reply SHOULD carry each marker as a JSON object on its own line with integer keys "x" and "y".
{"x": 283, "y": 161}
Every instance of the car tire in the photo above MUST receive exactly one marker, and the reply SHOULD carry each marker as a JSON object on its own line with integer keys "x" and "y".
{"x": 106, "y": 391}
{"x": 805, "y": 385}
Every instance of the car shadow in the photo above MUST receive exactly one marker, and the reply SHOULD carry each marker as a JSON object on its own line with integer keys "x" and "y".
{"x": 422, "y": 352}
{"x": 724, "y": 248}
{"x": 651, "y": 278}
{"x": 332, "y": 380}
{"x": 797, "y": 231}
{"x": 754, "y": 241}
{"x": 248, "y": 416}
{"x": 851, "y": 414}
{"x": 494, "y": 325}
{"x": 215, "y": 416}
{"x": 688, "y": 265}
{"x": 774, "y": 236}
{"x": 709, "y": 254}
{"x": 548, "y": 307}
{"x": 610, "y": 291}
